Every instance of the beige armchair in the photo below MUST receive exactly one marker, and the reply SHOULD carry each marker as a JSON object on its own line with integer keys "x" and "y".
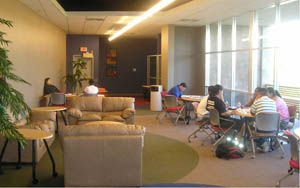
{"x": 86, "y": 109}
{"x": 38, "y": 120}
{"x": 102, "y": 153}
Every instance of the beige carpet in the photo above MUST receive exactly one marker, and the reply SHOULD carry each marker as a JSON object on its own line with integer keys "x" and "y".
{"x": 264, "y": 171}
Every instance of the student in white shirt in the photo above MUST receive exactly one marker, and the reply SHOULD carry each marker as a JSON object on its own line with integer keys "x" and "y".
{"x": 91, "y": 89}
{"x": 201, "y": 109}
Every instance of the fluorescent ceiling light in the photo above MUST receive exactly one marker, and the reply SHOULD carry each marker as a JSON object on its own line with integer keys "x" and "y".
{"x": 150, "y": 12}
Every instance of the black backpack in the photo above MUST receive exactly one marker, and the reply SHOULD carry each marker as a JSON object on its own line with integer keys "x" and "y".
{"x": 228, "y": 151}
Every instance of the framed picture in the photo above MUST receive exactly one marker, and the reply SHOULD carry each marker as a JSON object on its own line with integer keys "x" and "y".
{"x": 111, "y": 62}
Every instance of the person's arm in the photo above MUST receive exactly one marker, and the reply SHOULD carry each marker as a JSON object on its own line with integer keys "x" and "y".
{"x": 250, "y": 102}
{"x": 253, "y": 109}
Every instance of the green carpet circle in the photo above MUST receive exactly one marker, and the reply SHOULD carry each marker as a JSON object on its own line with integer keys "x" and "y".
{"x": 166, "y": 160}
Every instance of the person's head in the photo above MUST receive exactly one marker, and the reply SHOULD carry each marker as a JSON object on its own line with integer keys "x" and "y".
{"x": 214, "y": 91}
{"x": 182, "y": 86}
{"x": 271, "y": 92}
{"x": 91, "y": 82}
{"x": 210, "y": 88}
{"x": 219, "y": 88}
{"x": 47, "y": 81}
{"x": 261, "y": 92}
{"x": 256, "y": 90}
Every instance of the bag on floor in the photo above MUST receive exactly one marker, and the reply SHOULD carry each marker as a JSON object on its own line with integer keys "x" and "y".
{"x": 226, "y": 151}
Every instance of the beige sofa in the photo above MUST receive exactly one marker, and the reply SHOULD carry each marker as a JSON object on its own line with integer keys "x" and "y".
{"x": 102, "y": 153}
{"x": 38, "y": 120}
{"x": 86, "y": 109}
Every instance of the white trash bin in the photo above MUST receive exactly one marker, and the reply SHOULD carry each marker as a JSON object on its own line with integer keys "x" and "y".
{"x": 155, "y": 98}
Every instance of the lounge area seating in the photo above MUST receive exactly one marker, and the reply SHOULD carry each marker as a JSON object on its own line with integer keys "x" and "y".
{"x": 38, "y": 120}
{"x": 102, "y": 153}
{"x": 87, "y": 109}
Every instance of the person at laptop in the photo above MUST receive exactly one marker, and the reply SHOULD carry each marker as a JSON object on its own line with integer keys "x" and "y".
{"x": 91, "y": 89}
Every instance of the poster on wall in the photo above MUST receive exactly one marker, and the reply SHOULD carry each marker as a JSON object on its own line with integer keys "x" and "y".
{"x": 111, "y": 62}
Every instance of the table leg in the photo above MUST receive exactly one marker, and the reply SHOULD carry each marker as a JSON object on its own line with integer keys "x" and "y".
{"x": 56, "y": 123}
{"x": 1, "y": 156}
{"x": 19, "y": 156}
{"x": 34, "y": 180}
{"x": 64, "y": 118}
{"x": 54, "y": 173}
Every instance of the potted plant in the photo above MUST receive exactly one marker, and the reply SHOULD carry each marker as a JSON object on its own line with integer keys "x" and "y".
{"x": 10, "y": 98}
{"x": 77, "y": 76}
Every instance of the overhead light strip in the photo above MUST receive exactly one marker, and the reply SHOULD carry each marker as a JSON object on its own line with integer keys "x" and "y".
{"x": 149, "y": 12}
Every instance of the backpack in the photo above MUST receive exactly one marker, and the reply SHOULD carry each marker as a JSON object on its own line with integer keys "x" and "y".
{"x": 227, "y": 151}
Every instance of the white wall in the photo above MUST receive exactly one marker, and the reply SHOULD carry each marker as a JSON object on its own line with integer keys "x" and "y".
{"x": 38, "y": 49}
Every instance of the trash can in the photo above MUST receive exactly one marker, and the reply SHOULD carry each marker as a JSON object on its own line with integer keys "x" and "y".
{"x": 155, "y": 98}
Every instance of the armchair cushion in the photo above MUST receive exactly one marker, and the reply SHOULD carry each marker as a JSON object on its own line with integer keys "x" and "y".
{"x": 111, "y": 104}
{"x": 75, "y": 112}
{"x": 90, "y": 117}
{"x": 128, "y": 112}
{"x": 86, "y": 103}
{"x": 42, "y": 115}
{"x": 113, "y": 118}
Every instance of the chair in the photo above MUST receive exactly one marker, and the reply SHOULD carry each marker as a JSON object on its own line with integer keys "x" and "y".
{"x": 292, "y": 111}
{"x": 57, "y": 99}
{"x": 267, "y": 125}
{"x": 170, "y": 105}
{"x": 295, "y": 152}
{"x": 216, "y": 126}
{"x": 163, "y": 94}
{"x": 203, "y": 126}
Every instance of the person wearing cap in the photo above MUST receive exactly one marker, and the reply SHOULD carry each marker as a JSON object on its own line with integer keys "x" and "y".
{"x": 177, "y": 90}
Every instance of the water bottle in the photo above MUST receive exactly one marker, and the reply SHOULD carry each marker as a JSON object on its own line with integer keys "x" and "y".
{"x": 239, "y": 105}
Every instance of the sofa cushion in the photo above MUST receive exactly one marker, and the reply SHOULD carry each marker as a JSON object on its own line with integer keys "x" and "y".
{"x": 86, "y": 103}
{"x": 75, "y": 112}
{"x": 90, "y": 117}
{"x": 111, "y": 104}
{"x": 113, "y": 118}
{"x": 103, "y": 128}
{"x": 128, "y": 112}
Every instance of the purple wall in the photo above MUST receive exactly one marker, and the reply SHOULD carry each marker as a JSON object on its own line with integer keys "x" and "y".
{"x": 131, "y": 53}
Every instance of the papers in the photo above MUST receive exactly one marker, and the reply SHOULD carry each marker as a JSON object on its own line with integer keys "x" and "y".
{"x": 192, "y": 96}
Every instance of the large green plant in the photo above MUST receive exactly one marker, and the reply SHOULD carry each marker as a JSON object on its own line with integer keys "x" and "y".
{"x": 77, "y": 76}
{"x": 10, "y": 98}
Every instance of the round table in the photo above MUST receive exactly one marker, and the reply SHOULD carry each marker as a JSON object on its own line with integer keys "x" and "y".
{"x": 56, "y": 109}
{"x": 187, "y": 100}
{"x": 33, "y": 135}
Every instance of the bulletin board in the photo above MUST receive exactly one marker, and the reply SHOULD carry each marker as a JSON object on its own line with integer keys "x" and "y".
{"x": 111, "y": 62}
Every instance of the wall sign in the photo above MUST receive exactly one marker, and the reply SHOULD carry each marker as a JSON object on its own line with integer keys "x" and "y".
{"x": 83, "y": 49}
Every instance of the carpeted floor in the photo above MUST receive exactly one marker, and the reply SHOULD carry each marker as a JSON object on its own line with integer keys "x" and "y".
{"x": 165, "y": 160}
{"x": 264, "y": 171}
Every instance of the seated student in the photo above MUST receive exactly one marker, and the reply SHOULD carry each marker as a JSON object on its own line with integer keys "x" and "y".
{"x": 201, "y": 108}
{"x": 48, "y": 88}
{"x": 251, "y": 101}
{"x": 91, "y": 89}
{"x": 281, "y": 107}
{"x": 177, "y": 90}
{"x": 262, "y": 103}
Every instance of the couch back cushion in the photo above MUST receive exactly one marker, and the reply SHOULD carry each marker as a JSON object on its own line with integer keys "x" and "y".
{"x": 111, "y": 104}
{"x": 87, "y": 103}
{"x": 103, "y": 128}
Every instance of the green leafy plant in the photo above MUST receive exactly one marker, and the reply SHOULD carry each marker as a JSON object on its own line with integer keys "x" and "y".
{"x": 77, "y": 76}
{"x": 10, "y": 98}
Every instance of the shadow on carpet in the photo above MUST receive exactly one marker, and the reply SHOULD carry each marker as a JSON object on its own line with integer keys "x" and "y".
{"x": 165, "y": 160}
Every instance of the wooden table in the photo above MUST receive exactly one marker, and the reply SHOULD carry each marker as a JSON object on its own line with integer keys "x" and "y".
{"x": 297, "y": 132}
{"x": 55, "y": 109}
{"x": 33, "y": 135}
{"x": 243, "y": 112}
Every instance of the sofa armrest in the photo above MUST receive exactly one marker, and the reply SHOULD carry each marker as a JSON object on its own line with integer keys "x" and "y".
{"x": 75, "y": 113}
{"x": 127, "y": 113}
{"x": 42, "y": 115}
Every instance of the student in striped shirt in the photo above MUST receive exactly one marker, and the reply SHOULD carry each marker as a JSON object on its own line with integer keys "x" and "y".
{"x": 262, "y": 104}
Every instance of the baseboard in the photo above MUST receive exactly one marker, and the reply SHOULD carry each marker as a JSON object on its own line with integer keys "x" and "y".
{"x": 125, "y": 95}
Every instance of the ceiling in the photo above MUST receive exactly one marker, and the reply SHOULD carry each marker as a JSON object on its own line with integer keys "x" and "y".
{"x": 86, "y": 20}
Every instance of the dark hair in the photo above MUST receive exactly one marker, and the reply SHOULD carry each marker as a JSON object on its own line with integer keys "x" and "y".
{"x": 257, "y": 88}
{"x": 210, "y": 88}
{"x": 46, "y": 80}
{"x": 262, "y": 91}
{"x": 214, "y": 91}
{"x": 183, "y": 85}
{"x": 273, "y": 92}
{"x": 91, "y": 81}
{"x": 219, "y": 87}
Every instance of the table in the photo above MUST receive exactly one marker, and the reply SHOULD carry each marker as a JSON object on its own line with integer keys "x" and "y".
{"x": 56, "y": 109}
{"x": 187, "y": 100}
{"x": 33, "y": 135}
{"x": 297, "y": 132}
